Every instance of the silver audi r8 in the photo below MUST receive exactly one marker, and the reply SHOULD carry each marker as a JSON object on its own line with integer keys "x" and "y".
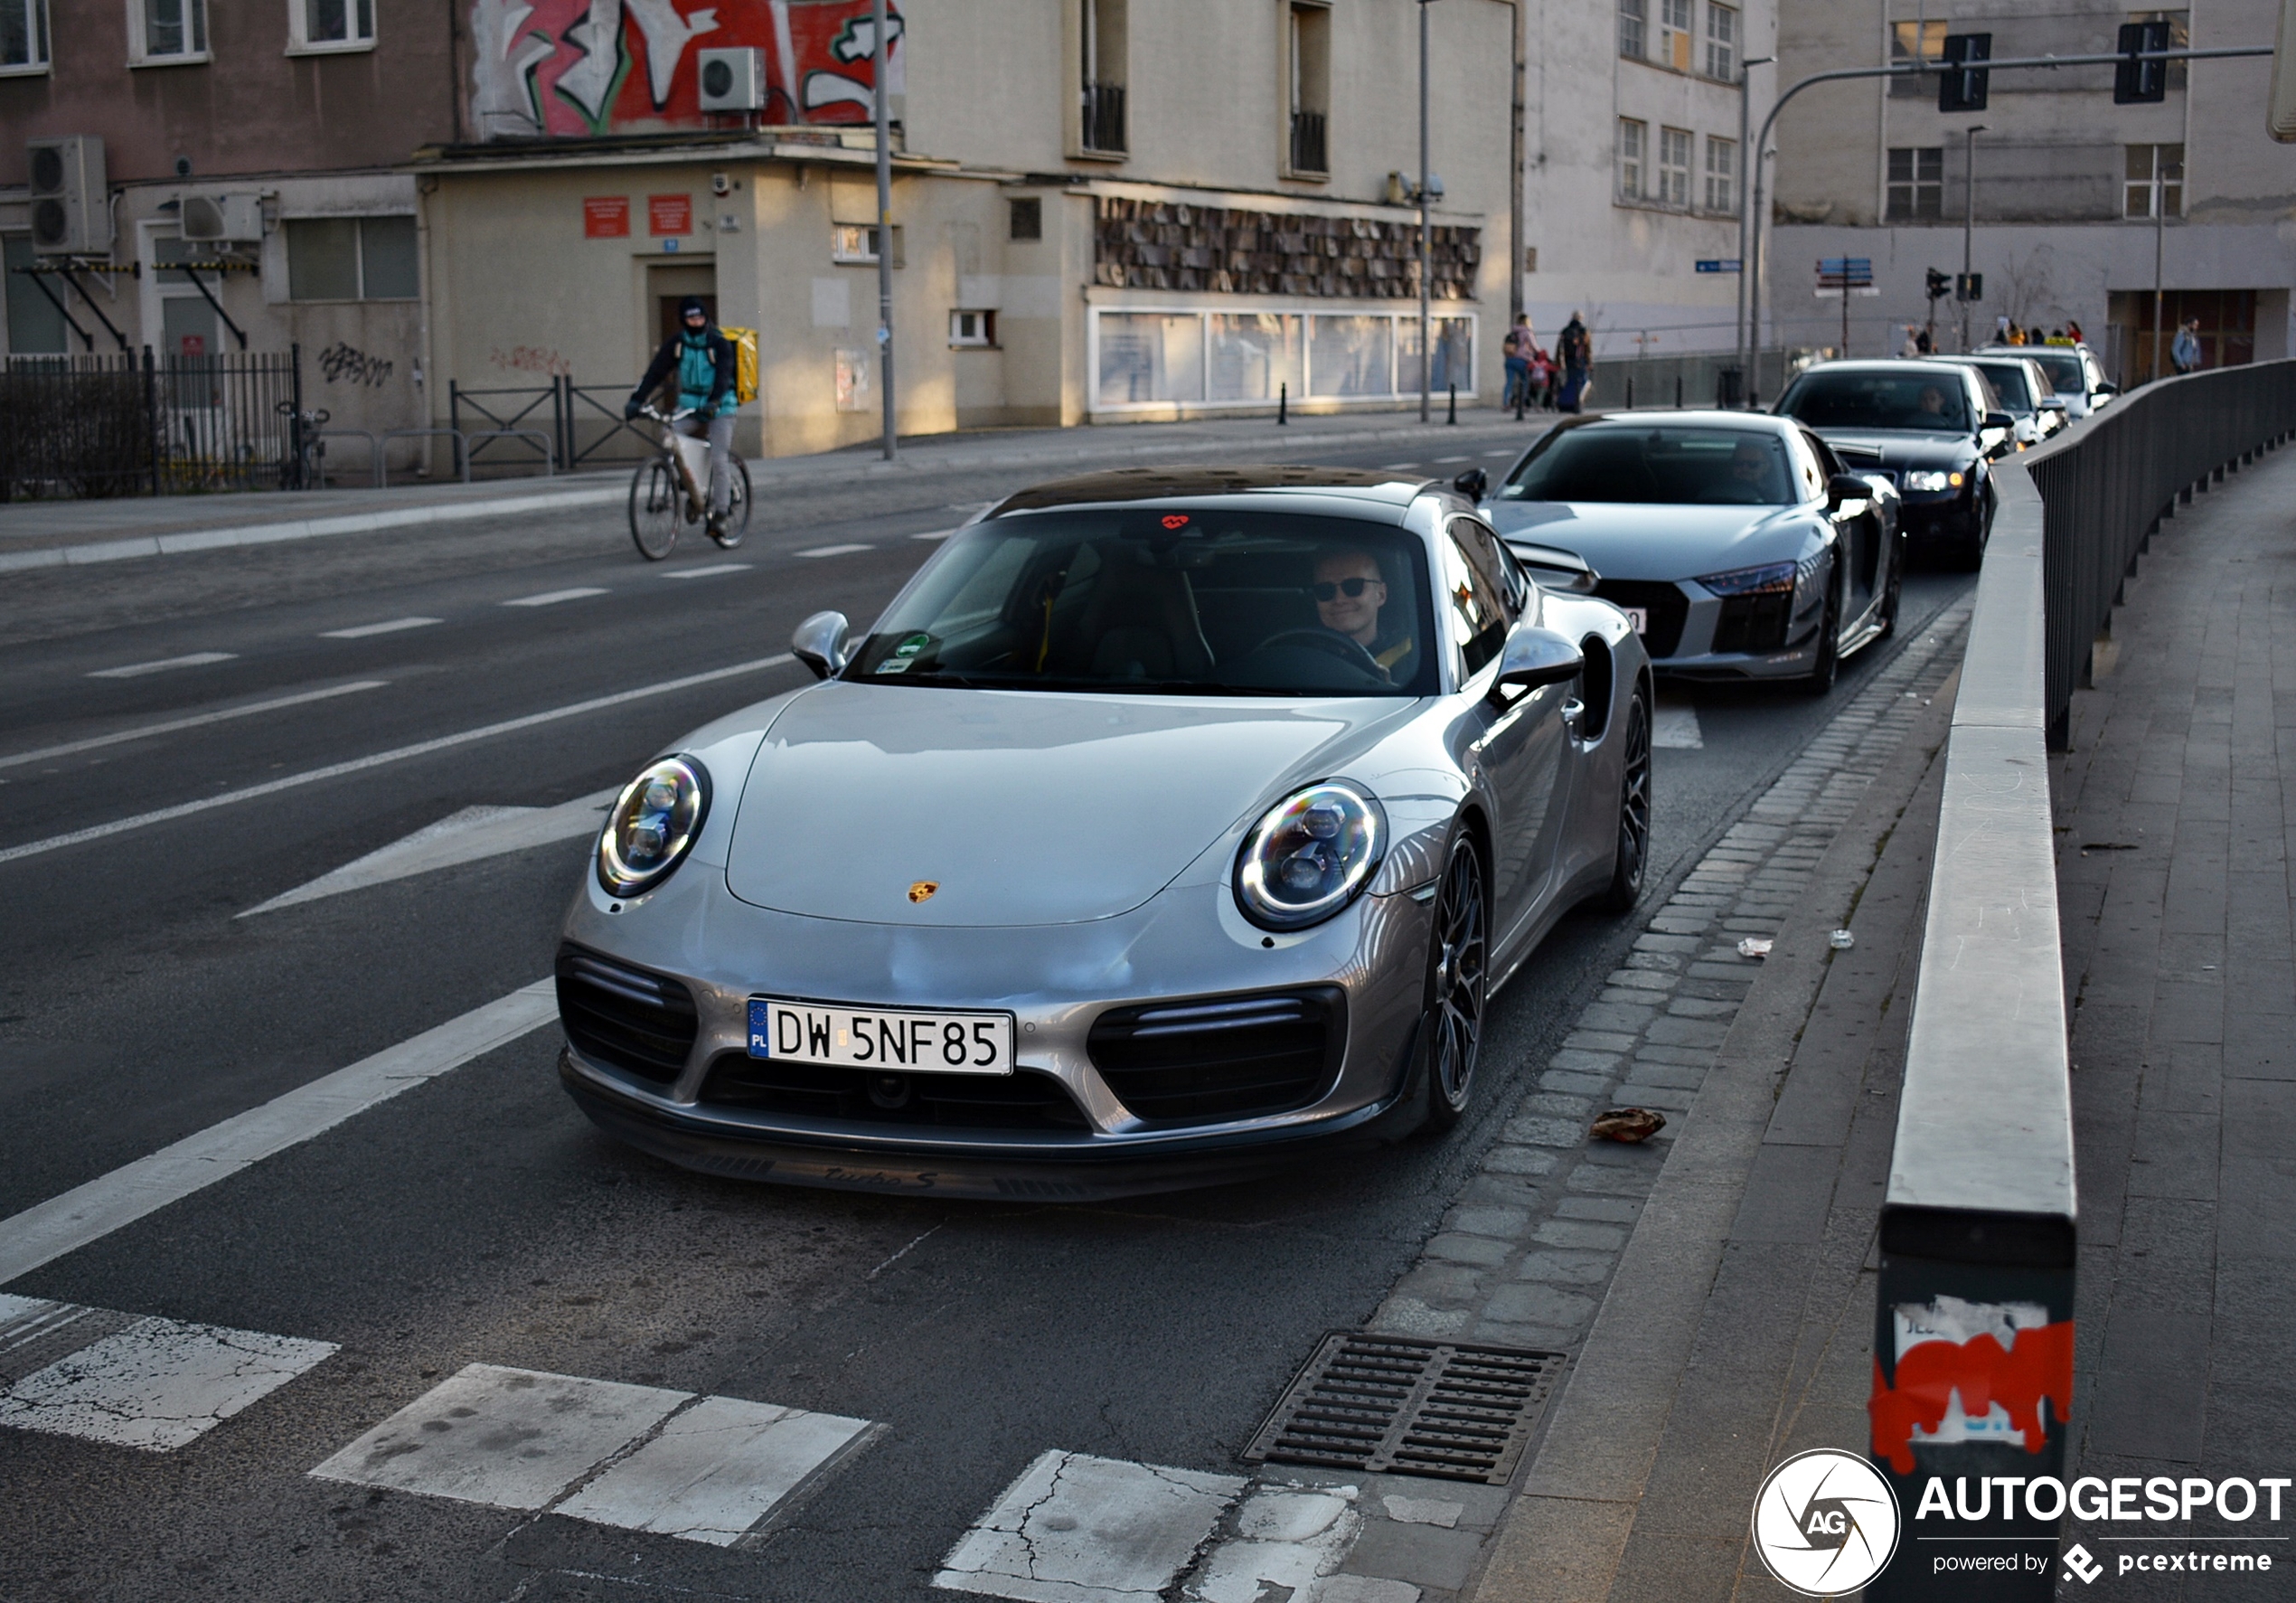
{"x": 1168, "y": 825}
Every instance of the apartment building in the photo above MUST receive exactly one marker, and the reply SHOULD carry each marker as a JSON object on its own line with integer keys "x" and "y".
{"x": 2075, "y": 207}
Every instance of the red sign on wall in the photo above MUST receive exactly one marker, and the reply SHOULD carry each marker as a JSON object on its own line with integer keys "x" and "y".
{"x": 669, "y": 213}
{"x": 606, "y": 217}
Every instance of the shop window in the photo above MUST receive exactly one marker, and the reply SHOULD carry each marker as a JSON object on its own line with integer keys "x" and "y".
{"x": 2154, "y": 174}
{"x": 323, "y": 25}
{"x": 1674, "y": 167}
{"x": 351, "y": 259}
{"x": 1911, "y": 44}
{"x": 1721, "y": 174}
{"x": 161, "y": 33}
{"x": 1026, "y": 217}
{"x": 23, "y": 36}
{"x": 1916, "y": 183}
{"x": 1674, "y": 33}
{"x": 1102, "y": 126}
{"x": 974, "y": 329}
{"x": 1633, "y": 39}
{"x": 1310, "y": 89}
{"x": 1722, "y": 42}
{"x": 1633, "y": 143}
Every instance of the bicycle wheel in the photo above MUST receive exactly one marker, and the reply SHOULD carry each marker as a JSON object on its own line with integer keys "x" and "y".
{"x": 656, "y": 509}
{"x": 737, "y": 506}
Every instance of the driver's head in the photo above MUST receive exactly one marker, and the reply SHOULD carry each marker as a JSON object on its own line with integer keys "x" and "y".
{"x": 1349, "y": 593}
{"x": 1746, "y": 462}
{"x": 1932, "y": 399}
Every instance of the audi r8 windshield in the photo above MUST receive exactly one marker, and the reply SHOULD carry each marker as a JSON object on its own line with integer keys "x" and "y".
{"x": 1658, "y": 465}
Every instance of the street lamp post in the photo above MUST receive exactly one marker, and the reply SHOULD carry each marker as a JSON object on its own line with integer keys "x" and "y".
{"x": 1426, "y": 356}
{"x": 1745, "y": 211}
{"x": 1968, "y": 223}
{"x": 884, "y": 55}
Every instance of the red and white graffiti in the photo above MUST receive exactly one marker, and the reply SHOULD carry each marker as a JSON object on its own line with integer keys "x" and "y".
{"x": 584, "y": 67}
{"x": 1970, "y": 1371}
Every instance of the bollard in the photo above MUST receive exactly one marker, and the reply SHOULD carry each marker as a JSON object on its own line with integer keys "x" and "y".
{"x": 1283, "y": 405}
{"x": 1677, "y": 391}
{"x": 1452, "y": 416}
{"x": 1630, "y": 391}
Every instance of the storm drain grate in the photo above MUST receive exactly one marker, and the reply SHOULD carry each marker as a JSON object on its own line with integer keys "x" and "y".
{"x": 1404, "y": 1406}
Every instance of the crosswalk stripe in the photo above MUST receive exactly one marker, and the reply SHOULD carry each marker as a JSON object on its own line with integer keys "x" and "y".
{"x": 1077, "y": 1529}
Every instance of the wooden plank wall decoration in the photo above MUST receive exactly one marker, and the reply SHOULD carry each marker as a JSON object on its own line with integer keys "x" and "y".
{"x": 1228, "y": 250}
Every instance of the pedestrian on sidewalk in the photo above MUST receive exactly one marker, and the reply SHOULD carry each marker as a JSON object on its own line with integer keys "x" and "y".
{"x": 1911, "y": 346}
{"x": 1576, "y": 352}
{"x": 2073, "y": 333}
{"x": 1542, "y": 378}
{"x": 1520, "y": 344}
{"x": 2183, "y": 350}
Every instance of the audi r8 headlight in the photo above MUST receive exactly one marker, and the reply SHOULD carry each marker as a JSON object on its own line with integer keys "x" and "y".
{"x": 1310, "y": 856}
{"x": 1928, "y": 482}
{"x": 652, "y": 826}
{"x": 1751, "y": 581}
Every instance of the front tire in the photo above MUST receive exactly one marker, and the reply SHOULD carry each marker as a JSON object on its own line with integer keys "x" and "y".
{"x": 657, "y": 506}
{"x": 1458, "y": 977}
{"x": 1630, "y": 865}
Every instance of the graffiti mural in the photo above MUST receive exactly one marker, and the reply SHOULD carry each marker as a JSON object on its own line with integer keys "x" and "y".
{"x": 584, "y": 67}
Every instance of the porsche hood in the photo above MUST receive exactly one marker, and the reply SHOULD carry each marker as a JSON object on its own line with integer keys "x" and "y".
{"x": 1015, "y": 808}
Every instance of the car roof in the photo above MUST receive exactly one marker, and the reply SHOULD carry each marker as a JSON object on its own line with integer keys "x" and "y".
{"x": 1389, "y": 491}
{"x": 1885, "y": 364}
{"x": 1705, "y": 417}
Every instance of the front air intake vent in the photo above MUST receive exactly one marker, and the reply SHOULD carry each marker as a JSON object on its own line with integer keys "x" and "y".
{"x": 624, "y": 1017}
{"x": 1221, "y": 1057}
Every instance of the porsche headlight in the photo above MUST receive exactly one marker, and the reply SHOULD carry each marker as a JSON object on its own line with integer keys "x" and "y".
{"x": 1310, "y": 856}
{"x": 1925, "y": 481}
{"x": 652, "y": 826}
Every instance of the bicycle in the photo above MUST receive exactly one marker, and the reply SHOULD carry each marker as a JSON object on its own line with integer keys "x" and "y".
{"x": 306, "y": 461}
{"x": 665, "y": 498}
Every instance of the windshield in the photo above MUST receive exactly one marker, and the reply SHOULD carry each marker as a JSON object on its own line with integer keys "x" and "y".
{"x": 2008, "y": 379}
{"x": 2064, "y": 368}
{"x": 1663, "y": 466}
{"x": 1147, "y": 599}
{"x": 1912, "y": 399}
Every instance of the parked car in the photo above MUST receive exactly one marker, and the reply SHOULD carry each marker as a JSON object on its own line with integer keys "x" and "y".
{"x": 1738, "y": 543}
{"x": 2024, "y": 392}
{"x": 2074, "y": 373}
{"x": 1932, "y": 427}
{"x": 1169, "y": 825}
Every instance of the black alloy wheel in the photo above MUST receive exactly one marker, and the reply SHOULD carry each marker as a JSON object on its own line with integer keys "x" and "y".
{"x": 1820, "y": 678}
{"x": 1632, "y": 863}
{"x": 1458, "y": 975}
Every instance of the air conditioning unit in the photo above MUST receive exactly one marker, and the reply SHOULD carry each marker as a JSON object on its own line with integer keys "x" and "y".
{"x": 733, "y": 79}
{"x": 70, "y": 202}
{"x": 235, "y": 219}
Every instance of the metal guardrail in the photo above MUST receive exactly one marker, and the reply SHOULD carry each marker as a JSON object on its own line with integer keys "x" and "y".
{"x": 462, "y": 449}
{"x": 374, "y": 451}
{"x": 1973, "y": 1343}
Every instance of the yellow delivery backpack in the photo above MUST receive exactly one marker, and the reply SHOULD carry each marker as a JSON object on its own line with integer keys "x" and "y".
{"x": 745, "y": 363}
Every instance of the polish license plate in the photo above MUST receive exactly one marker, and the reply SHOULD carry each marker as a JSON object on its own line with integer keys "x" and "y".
{"x": 874, "y": 1037}
{"x": 1640, "y": 616}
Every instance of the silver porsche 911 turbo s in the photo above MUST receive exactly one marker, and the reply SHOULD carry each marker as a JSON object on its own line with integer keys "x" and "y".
{"x": 1168, "y": 825}
{"x": 1738, "y": 543}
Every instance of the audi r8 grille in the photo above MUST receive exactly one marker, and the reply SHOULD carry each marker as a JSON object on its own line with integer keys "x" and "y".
{"x": 1192, "y": 1063}
{"x": 1020, "y": 1101}
{"x": 1753, "y": 623}
{"x": 1665, "y": 607}
{"x": 626, "y": 1018}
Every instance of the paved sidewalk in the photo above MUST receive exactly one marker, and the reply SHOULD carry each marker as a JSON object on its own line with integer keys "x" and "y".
{"x": 44, "y": 533}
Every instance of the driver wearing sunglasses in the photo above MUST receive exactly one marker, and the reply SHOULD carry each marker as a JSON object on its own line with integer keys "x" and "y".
{"x": 1350, "y": 593}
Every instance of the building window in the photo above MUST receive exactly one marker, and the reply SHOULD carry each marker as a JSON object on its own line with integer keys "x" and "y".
{"x": 1632, "y": 38}
{"x": 2154, "y": 170}
{"x": 160, "y": 31}
{"x": 973, "y": 328}
{"x": 856, "y": 242}
{"x": 1674, "y": 167}
{"x": 1674, "y": 33}
{"x": 1721, "y": 174}
{"x": 319, "y": 26}
{"x": 1101, "y": 128}
{"x": 1915, "y": 45}
{"x": 1027, "y": 218}
{"x": 351, "y": 259}
{"x": 23, "y": 36}
{"x": 1308, "y": 46}
{"x": 1722, "y": 42}
{"x": 1633, "y": 141}
{"x": 1916, "y": 183}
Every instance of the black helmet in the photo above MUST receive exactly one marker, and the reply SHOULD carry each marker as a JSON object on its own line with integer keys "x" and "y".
{"x": 691, "y": 307}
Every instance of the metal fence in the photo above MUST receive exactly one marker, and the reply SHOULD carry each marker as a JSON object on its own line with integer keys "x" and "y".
{"x": 2107, "y": 485}
{"x": 580, "y": 425}
{"x": 1696, "y": 380}
{"x": 91, "y": 425}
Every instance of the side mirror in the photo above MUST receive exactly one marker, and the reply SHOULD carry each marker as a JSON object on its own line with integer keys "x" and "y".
{"x": 2108, "y": 390}
{"x": 1534, "y": 657}
{"x": 819, "y": 643}
{"x": 2000, "y": 420}
{"x": 1475, "y": 484}
{"x": 1846, "y": 487}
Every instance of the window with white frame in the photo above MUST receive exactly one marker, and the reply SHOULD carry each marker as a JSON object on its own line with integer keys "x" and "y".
{"x": 973, "y": 328}
{"x": 856, "y": 242}
{"x": 1722, "y": 42}
{"x": 1916, "y": 183}
{"x": 160, "y": 31}
{"x": 1721, "y": 174}
{"x": 1633, "y": 17}
{"x": 352, "y": 258}
{"x": 1915, "y": 45}
{"x": 1633, "y": 147}
{"x": 23, "y": 36}
{"x": 2154, "y": 170}
{"x": 318, "y": 25}
{"x": 1674, "y": 167}
{"x": 1674, "y": 33}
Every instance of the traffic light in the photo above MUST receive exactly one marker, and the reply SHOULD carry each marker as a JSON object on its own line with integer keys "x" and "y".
{"x": 1962, "y": 83}
{"x": 2139, "y": 83}
{"x": 1940, "y": 286}
{"x": 1969, "y": 285}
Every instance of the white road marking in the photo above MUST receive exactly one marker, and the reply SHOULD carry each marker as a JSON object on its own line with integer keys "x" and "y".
{"x": 1075, "y": 1529}
{"x": 198, "y": 659}
{"x": 466, "y": 836}
{"x": 96, "y": 832}
{"x": 1674, "y": 727}
{"x": 389, "y": 627}
{"x": 196, "y": 720}
{"x": 552, "y": 598}
{"x": 1503, "y": 455}
{"x": 156, "y": 1385}
{"x": 1397, "y": 466}
{"x": 1452, "y": 461}
{"x": 711, "y": 571}
{"x": 933, "y": 534}
{"x": 65, "y": 1224}
{"x": 834, "y": 551}
{"x": 717, "y": 1470}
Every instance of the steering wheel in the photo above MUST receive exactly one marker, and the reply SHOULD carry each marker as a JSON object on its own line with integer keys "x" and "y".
{"x": 1342, "y": 646}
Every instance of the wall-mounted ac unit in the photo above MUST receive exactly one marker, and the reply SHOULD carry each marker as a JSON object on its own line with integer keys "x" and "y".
{"x": 235, "y": 219}
{"x": 70, "y": 205}
{"x": 733, "y": 79}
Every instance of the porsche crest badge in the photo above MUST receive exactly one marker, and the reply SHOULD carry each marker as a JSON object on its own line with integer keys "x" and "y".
{"x": 923, "y": 889}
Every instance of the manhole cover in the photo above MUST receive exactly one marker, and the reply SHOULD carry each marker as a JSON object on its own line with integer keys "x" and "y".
{"x": 1404, "y": 1406}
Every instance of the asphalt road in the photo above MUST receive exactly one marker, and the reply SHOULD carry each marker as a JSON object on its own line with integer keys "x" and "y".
{"x": 479, "y": 1218}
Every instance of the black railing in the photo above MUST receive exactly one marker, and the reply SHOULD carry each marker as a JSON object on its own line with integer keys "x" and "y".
{"x": 2107, "y": 484}
{"x": 1103, "y": 117}
{"x": 141, "y": 425}
{"x": 1307, "y": 143}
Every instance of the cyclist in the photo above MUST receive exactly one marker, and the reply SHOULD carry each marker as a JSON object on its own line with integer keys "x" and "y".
{"x": 706, "y": 370}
